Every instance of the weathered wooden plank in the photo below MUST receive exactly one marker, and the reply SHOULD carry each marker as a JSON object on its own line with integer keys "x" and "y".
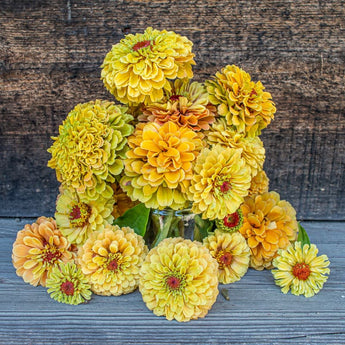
{"x": 257, "y": 313}
{"x": 49, "y": 63}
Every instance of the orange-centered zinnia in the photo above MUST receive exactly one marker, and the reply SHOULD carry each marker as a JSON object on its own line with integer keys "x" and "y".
{"x": 301, "y": 271}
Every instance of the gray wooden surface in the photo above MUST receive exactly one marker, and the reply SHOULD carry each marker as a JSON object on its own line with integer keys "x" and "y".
{"x": 257, "y": 313}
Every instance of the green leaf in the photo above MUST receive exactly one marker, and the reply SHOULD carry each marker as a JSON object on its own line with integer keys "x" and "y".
{"x": 302, "y": 235}
{"x": 202, "y": 228}
{"x": 136, "y": 218}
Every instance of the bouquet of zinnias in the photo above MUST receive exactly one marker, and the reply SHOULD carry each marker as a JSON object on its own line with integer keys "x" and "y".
{"x": 171, "y": 143}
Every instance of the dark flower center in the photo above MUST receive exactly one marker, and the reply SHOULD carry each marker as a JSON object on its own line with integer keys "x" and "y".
{"x": 113, "y": 265}
{"x": 67, "y": 288}
{"x": 231, "y": 220}
{"x": 301, "y": 271}
{"x": 225, "y": 187}
{"x": 80, "y": 214}
{"x": 141, "y": 45}
{"x": 224, "y": 258}
{"x": 174, "y": 98}
{"x": 173, "y": 282}
{"x": 51, "y": 255}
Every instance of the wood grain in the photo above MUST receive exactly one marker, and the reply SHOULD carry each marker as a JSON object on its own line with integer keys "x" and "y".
{"x": 257, "y": 313}
{"x": 51, "y": 54}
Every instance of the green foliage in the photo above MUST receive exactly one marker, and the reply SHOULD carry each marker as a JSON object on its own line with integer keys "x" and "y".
{"x": 202, "y": 228}
{"x": 136, "y": 218}
{"x": 302, "y": 235}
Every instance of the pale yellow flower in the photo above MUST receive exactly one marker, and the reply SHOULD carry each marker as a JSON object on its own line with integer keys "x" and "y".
{"x": 232, "y": 254}
{"x": 253, "y": 151}
{"x": 137, "y": 69}
{"x": 179, "y": 279}
{"x": 220, "y": 182}
{"x": 300, "y": 269}
{"x": 244, "y": 104}
{"x": 77, "y": 217}
{"x": 111, "y": 260}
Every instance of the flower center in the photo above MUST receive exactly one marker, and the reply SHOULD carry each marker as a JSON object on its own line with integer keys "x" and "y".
{"x": 231, "y": 220}
{"x": 301, "y": 271}
{"x": 224, "y": 258}
{"x": 141, "y": 45}
{"x": 114, "y": 262}
{"x": 51, "y": 254}
{"x": 113, "y": 265}
{"x": 173, "y": 282}
{"x": 80, "y": 214}
{"x": 67, "y": 288}
{"x": 225, "y": 187}
{"x": 174, "y": 98}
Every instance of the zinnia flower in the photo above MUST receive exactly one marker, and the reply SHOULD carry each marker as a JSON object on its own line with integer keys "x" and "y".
{"x": 253, "y": 151}
{"x": 269, "y": 224}
{"x": 232, "y": 254}
{"x": 122, "y": 201}
{"x": 37, "y": 249}
{"x": 158, "y": 168}
{"x": 259, "y": 184}
{"x": 90, "y": 147}
{"x": 111, "y": 260}
{"x": 187, "y": 105}
{"x": 220, "y": 182}
{"x": 179, "y": 279}
{"x": 242, "y": 102}
{"x": 300, "y": 269}
{"x": 232, "y": 222}
{"x": 78, "y": 217}
{"x": 137, "y": 69}
{"x": 67, "y": 284}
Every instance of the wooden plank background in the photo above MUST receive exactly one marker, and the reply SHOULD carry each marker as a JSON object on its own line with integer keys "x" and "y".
{"x": 50, "y": 57}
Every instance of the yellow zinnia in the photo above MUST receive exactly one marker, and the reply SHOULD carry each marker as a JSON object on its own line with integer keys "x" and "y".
{"x": 300, "y": 269}
{"x": 220, "y": 182}
{"x": 179, "y": 279}
{"x": 111, "y": 260}
{"x": 269, "y": 224}
{"x": 232, "y": 254}
{"x": 253, "y": 150}
{"x": 78, "y": 217}
{"x": 90, "y": 147}
{"x": 243, "y": 103}
{"x": 137, "y": 69}
{"x": 259, "y": 184}
{"x": 187, "y": 104}
{"x": 158, "y": 168}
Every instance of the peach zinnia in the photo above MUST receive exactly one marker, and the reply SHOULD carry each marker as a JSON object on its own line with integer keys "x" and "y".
{"x": 38, "y": 248}
{"x": 187, "y": 105}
